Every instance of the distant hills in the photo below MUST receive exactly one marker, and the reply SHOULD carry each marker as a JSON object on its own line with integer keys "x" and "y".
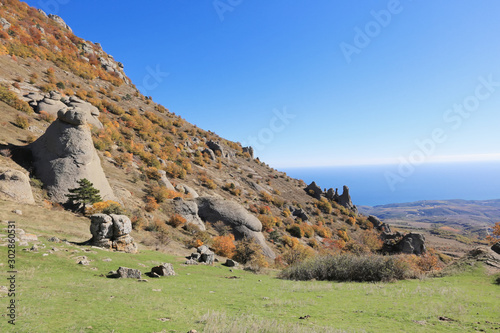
{"x": 464, "y": 215}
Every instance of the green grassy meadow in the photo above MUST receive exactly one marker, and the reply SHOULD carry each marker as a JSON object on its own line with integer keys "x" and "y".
{"x": 55, "y": 294}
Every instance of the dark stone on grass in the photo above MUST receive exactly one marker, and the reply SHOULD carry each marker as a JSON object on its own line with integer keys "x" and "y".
{"x": 165, "y": 269}
{"x": 230, "y": 263}
{"x": 129, "y": 273}
{"x": 207, "y": 258}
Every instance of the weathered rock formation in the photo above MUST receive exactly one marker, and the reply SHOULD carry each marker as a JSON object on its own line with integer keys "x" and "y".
{"x": 188, "y": 210}
{"x": 203, "y": 255}
{"x": 314, "y": 190}
{"x": 59, "y": 21}
{"x": 379, "y": 225}
{"x": 344, "y": 199}
{"x": 15, "y": 186}
{"x": 65, "y": 154}
{"x": 242, "y": 223}
{"x": 412, "y": 243}
{"x": 112, "y": 232}
{"x": 53, "y": 102}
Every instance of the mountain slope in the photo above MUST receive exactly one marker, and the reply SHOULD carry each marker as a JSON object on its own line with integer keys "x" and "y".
{"x": 149, "y": 154}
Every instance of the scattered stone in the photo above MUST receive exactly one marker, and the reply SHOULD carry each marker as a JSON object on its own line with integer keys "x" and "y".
{"x": 156, "y": 289}
{"x": 34, "y": 248}
{"x": 28, "y": 237}
{"x": 164, "y": 269}
{"x": 130, "y": 273}
{"x": 106, "y": 259}
{"x": 18, "y": 212}
{"x": 231, "y": 263}
{"x": 54, "y": 239}
{"x": 84, "y": 262}
{"x": 142, "y": 280}
{"x": 305, "y": 317}
{"x": 191, "y": 262}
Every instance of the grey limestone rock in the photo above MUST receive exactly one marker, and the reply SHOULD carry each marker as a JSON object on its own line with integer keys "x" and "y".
{"x": 65, "y": 154}
{"x": 242, "y": 222}
{"x": 15, "y": 186}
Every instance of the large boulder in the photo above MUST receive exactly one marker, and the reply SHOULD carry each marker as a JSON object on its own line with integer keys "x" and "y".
{"x": 112, "y": 232}
{"x": 15, "y": 186}
{"x": 164, "y": 269}
{"x": 65, "y": 154}
{"x": 379, "y": 225}
{"x": 412, "y": 243}
{"x": 50, "y": 106}
{"x": 128, "y": 273}
{"x": 242, "y": 222}
{"x": 188, "y": 210}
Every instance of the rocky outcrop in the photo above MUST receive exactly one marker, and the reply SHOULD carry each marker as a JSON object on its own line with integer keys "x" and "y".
{"x": 379, "y": 225}
{"x": 248, "y": 150}
{"x": 314, "y": 190}
{"x": 345, "y": 200}
{"x": 188, "y": 210}
{"x": 53, "y": 102}
{"x": 412, "y": 243}
{"x": 4, "y": 23}
{"x": 188, "y": 191}
{"x": 125, "y": 273}
{"x": 112, "y": 232}
{"x": 65, "y": 154}
{"x": 15, "y": 186}
{"x": 59, "y": 21}
{"x": 242, "y": 223}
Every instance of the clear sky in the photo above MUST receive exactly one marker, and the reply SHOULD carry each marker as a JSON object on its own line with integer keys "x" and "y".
{"x": 314, "y": 83}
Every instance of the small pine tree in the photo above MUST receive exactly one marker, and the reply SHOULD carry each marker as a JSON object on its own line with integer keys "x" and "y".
{"x": 84, "y": 194}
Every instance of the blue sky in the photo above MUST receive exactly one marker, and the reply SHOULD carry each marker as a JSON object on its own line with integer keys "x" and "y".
{"x": 314, "y": 83}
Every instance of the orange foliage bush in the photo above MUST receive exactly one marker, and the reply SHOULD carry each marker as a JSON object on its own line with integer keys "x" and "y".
{"x": 224, "y": 245}
{"x": 176, "y": 220}
{"x": 151, "y": 204}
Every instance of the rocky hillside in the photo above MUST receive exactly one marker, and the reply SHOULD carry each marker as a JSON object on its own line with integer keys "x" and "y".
{"x": 69, "y": 112}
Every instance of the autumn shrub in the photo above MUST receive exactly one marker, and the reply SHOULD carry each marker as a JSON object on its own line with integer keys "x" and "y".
{"x": 224, "y": 245}
{"x": 249, "y": 253}
{"x": 161, "y": 193}
{"x": 222, "y": 228}
{"x": 266, "y": 197}
{"x": 11, "y": 99}
{"x": 349, "y": 267}
{"x": 324, "y": 205}
{"x": 294, "y": 255}
{"x": 295, "y": 230}
{"x": 105, "y": 207}
{"x": 286, "y": 212}
{"x": 207, "y": 182}
{"x": 268, "y": 222}
{"x": 176, "y": 220}
{"x": 22, "y": 121}
{"x": 151, "y": 204}
{"x": 152, "y": 173}
{"x": 322, "y": 231}
{"x": 45, "y": 116}
{"x": 174, "y": 170}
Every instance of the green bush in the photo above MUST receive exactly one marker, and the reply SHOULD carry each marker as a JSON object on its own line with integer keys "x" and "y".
{"x": 348, "y": 267}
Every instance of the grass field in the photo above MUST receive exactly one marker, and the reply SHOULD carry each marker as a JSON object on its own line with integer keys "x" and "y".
{"x": 54, "y": 294}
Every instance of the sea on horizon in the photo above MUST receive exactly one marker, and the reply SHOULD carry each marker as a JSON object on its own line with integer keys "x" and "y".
{"x": 372, "y": 185}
